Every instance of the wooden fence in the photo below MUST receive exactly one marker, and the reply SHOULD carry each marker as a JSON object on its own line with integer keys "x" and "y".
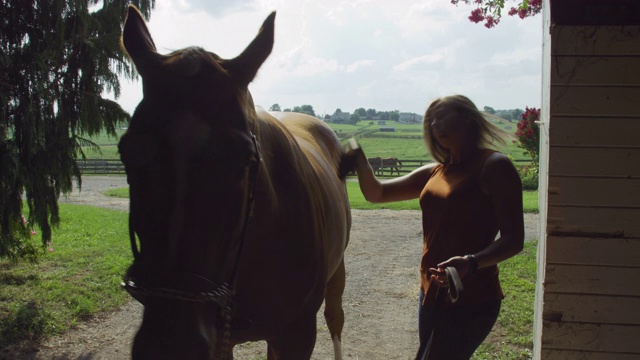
{"x": 101, "y": 166}
{"x": 115, "y": 166}
{"x": 406, "y": 166}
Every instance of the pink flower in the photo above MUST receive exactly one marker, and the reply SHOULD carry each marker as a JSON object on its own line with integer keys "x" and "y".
{"x": 51, "y": 249}
{"x": 491, "y": 10}
{"x": 528, "y": 132}
{"x": 476, "y": 15}
{"x": 491, "y": 22}
{"x": 522, "y": 13}
{"x": 33, "y": 232}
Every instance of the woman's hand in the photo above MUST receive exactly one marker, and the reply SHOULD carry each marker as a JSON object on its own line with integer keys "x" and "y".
{"x": 405, "y": 187}
{"x": 353, "y": 158}
{"x": 463, "y": 265}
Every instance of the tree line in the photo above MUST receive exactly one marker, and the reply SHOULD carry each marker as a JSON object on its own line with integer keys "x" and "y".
{"x": 359, "y": 113}
{"x": 370, "y": 114}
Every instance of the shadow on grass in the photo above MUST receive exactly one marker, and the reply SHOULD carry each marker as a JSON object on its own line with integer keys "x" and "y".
{"x": 23, "y": 330}
{"x": 16, "y": 280}
{"x": 22, "y": 335}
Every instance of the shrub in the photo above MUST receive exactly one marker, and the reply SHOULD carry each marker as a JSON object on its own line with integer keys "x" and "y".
{"x": 528, "y": 134}
{"x": 529, "y": 176}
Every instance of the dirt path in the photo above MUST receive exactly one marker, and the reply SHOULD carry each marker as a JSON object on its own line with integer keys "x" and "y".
{"x": 380, "y": 300}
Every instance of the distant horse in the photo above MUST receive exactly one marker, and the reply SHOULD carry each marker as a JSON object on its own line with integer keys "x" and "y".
{"x": 378, "y": 165}
{"x": 239, "y": 219}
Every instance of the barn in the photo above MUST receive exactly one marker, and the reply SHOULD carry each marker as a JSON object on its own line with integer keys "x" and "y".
{"x": 588, "y": 293}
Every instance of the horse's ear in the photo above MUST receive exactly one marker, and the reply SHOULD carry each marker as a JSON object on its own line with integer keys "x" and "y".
{"x": 137, "y": 41}
{"x": 245, "y": 67}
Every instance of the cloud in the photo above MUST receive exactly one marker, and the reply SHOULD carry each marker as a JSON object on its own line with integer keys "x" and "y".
{"x": 357, "y": 53}
{"x": 315, "y": 66}
{"x": 358, "y": 65}
{"x": 431, "y": 58}
{"x": 217, "y": 8}
{"x": 513, "y": 56}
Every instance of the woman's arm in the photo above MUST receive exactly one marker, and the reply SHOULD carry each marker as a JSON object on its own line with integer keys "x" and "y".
{"x": 405, "y": 187}
{"x": 500, "y": 180}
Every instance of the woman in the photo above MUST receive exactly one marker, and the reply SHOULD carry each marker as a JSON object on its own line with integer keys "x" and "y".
{"x": 467, "y": 196}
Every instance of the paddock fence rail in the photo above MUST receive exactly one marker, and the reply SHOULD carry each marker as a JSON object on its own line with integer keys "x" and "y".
{"x": 101, "y": 166}
{"x": 116, "y": 167}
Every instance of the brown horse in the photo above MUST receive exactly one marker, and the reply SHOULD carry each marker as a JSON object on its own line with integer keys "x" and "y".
{"x": 378, "y": 165}
{"x": 239, "y": 219}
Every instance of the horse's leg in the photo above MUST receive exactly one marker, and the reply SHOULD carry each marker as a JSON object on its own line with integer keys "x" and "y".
{"x": 296, "y": 342}
{"x": 333, "y": 312}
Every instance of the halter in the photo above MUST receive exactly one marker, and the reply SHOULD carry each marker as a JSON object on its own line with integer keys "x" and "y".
{"x": 205, "y": 291}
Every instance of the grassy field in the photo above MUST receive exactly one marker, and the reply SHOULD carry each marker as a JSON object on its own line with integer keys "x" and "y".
{"x": 406, "y": 143}
{"x": 357, "y": 200}
{"x": 80, "y": 278}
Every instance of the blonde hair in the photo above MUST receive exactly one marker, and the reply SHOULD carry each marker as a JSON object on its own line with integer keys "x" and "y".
{"x": 484, "y": 134}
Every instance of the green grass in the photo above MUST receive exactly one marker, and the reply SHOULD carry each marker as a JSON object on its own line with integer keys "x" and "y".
{"x": 530, "y": 201}
{"x": 410, "y": 149}
{"x": 405, "y": 144}
{"x": 118, "y": 193}
{"x": 104, "y": 139}
{"x": 357, "y": 200}
{"x": 108, "y": 146}
{"x": 78, "y": 279}
{"x": 514, "y": 327}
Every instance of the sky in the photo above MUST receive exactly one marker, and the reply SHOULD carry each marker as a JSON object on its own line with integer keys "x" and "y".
{"x": 348, "y": 54}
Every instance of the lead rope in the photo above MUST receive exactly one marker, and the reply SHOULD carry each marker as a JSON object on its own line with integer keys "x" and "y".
{"x": 226, "y": 312}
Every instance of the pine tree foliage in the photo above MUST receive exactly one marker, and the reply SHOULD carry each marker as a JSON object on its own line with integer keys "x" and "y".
{"x": 58, "y": 58}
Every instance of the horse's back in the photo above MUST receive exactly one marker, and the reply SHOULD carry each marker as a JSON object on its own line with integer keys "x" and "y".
{"x": 311, "y": 130}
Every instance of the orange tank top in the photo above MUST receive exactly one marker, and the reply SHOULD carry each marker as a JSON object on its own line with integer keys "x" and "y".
{"x": 458, "y": 219}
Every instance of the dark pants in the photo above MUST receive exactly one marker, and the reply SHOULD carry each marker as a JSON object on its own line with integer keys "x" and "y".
{"x": 458, "y": 331}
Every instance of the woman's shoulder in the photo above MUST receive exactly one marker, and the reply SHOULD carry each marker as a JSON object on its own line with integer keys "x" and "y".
{"x": 494, "y": 157}
{"x": 497, "y": 164}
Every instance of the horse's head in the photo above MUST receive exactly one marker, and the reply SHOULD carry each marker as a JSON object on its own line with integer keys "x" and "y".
{"x": 190, "y": 158}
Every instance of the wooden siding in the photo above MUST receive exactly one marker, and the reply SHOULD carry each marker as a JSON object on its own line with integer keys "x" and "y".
{"x": 594, "y": 251}
{"x": 591, "y": 296}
